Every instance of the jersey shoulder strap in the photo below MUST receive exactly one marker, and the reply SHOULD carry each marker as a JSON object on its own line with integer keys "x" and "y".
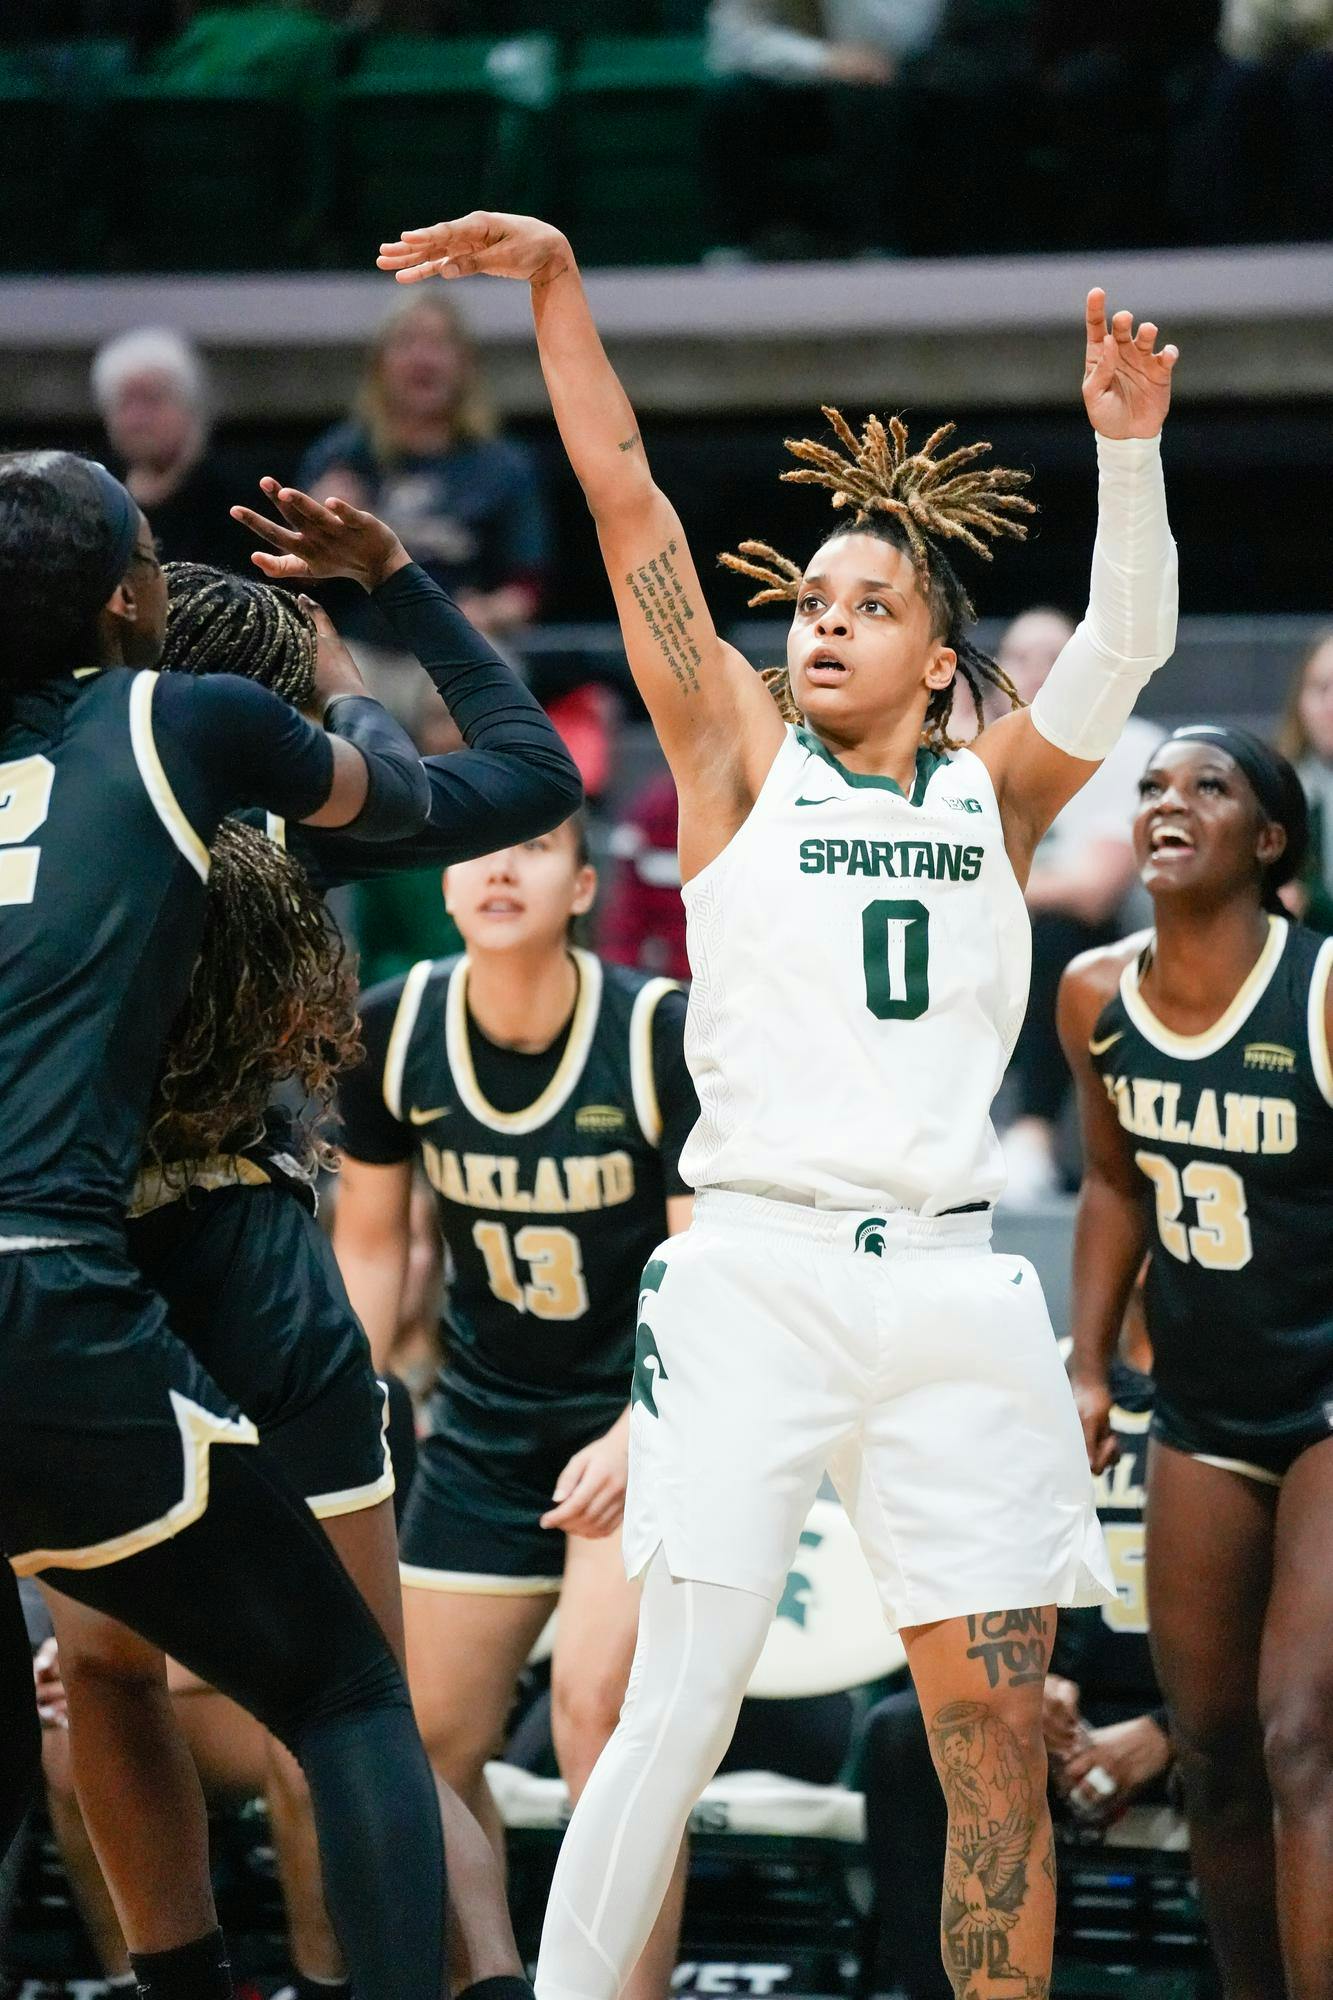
{"x": 428, "y": 979}
{"x": 644, "y": 993}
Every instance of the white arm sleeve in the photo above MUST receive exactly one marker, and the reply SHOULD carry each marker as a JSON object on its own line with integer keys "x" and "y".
{"x": 1129, "y": 627}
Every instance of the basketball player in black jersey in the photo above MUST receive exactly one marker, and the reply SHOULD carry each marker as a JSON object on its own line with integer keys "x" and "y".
{"x": 1201, "y": 1053}
{"x": 546, "y": 1094}
{"x": 126, "y": 1476}
{"x": 244, "y": 1269}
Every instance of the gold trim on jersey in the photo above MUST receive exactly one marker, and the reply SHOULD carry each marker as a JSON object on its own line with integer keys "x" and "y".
{"x": 404, "y": 1020}
{"x": 1321, "y": 1056}
{"x": 355, "y": 1499}
{"x": 1240, "y": 1465}
{"x": 155, "y": 781}
{"x": 1242, "y": 1004}
{"x": 643, "y": 1082}
{"x": 154, "y": 1189}
{"x": 569, "y": 1069}
{"x": 471, "y": 1583}
{"x": 1132, "y": 1422}
{"x": 200, "y": 1430}
{"x": 276, "y": 829}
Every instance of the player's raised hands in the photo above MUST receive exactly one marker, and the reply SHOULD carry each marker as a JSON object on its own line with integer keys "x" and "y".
{"x": 315, "y": 539}
{"x": 1126, "y": 384}
{"x": 501, "y": 246}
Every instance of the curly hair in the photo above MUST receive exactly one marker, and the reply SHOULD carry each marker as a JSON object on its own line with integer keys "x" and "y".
{"x": 918, "y": 503}
{"x": 223, "y": 624}
{"x": 272, "y": 1000}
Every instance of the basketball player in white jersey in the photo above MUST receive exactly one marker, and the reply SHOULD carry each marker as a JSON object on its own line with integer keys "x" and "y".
{"x": 853, "y": 882}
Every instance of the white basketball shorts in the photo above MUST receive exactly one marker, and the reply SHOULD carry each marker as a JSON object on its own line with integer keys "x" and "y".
{"x": 898, "y": 1353}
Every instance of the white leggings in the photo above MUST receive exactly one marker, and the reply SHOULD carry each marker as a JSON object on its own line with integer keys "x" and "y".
{"x": 697, "y": 1647}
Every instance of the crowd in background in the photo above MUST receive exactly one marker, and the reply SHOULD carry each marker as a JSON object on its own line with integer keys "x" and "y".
{"x": 423, "y": 447}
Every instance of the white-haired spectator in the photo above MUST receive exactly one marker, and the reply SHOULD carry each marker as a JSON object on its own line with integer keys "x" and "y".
{"x": 1081, "y": 874}
{"x": 152, "y": 392}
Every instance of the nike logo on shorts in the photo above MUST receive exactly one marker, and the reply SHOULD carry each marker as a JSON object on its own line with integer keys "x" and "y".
{"x": 428, "y": 1117}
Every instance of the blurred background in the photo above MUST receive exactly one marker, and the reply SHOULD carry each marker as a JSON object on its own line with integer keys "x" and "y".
{"x": 895, "y": 205}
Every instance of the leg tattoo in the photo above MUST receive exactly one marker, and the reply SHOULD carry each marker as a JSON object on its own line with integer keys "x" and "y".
{"x": 993, "y": 1819}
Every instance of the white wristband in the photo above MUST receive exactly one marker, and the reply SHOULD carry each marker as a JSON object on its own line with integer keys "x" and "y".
{"x": 1129, "y": 628}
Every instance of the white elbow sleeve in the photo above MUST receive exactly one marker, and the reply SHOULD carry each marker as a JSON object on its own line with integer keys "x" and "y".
{"x": 1129, "y": 628}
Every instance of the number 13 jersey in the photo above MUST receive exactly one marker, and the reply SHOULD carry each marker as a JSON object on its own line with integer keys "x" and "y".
{"x": 861, "y": 964}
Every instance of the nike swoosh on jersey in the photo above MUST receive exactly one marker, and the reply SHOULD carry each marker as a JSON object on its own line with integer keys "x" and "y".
{"x": 819, "y": 802}
{"x": 428, "y": 1117}
{"x": 1017, "y": 1278}
{"x": 1100, "y": 1048}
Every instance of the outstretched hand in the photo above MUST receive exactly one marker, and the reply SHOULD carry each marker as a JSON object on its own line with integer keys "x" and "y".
{"x": 501, "y": 246}
{"x": 1126, "y": 386}
{"x": 322, "y": 540}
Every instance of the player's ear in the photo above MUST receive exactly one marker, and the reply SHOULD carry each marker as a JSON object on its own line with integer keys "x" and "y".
{"x": 585, "y": 891}
{"x": 444, "y": 888}
{"x": 940, "y": 672}
{"x": 1271, "y": 843}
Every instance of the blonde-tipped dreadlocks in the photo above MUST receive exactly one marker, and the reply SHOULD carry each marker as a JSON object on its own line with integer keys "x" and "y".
{"x": 223, "y": 624}
{"x": 916, "y": 502}
{"x": 272, "y": 999}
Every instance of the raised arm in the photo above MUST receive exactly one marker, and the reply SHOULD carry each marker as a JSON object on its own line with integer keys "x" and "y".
{"x": 1040, "y": 756}
{"x": 716, "y": 723}
{"x": 1110, "y": 1228}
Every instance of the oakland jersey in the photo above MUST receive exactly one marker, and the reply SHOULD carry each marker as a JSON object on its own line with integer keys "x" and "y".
{"x": 551, "y": 1172}
{"x": 1232, "y": 1133}
{"x": 111, "y": 785}
{"x": 861, "y": 965}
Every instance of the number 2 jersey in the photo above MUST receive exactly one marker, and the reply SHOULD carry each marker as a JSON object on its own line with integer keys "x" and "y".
{"x": 1232, "y": 1133}
{"x": 551, "y": 1174}
{"x": 861, "y": 964}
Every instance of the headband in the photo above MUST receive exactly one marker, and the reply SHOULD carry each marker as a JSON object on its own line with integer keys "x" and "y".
{"x": 121, "y": 516}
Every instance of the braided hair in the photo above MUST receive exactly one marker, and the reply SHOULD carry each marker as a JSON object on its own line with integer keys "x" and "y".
{"x": 223, "y": 624}
{"x": 916, "y": 502}
{"x": 272, "y": 1000}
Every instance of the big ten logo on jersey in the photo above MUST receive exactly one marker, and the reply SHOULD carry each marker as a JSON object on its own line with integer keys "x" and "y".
{"x": 568, "y": 1186}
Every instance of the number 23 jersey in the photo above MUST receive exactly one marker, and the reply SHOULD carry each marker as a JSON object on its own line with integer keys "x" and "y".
{"x": 551, "y": 1171}
{"x": 1232, "y": 1133}
{"x": 860, "y": 964}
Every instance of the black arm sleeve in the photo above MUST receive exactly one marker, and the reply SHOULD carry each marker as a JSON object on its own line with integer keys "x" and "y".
{"x": 370, "y": 1132}
{"x": 397, "y": 793}
{"x": 225, "y": 742}
{"x": 514, "y": 780}
{"x": 675, "y": 1087}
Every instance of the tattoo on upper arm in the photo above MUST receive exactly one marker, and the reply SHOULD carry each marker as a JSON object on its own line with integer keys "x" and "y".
{"x": 1012, "y": 1643}
{"x": 995, "y": 1811}
{"x": 628, "y": 444}
{"x": 667, "y": 612}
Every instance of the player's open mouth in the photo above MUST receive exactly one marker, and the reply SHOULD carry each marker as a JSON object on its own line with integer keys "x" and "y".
{"x": 501, "y": 906}
{"x": 826, "y": 669}
{"x": 1169, "y": 842}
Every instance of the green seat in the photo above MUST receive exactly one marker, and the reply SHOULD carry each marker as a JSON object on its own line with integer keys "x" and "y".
{"x": 631, "y": 187}
{"x": 53, "y": 116}
{"x": 428, "y": 128}
{"x": 258, "y": 48}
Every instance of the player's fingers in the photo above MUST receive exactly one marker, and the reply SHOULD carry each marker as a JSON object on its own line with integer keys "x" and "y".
{"x": 280, "y": 566}
{"x": 268, "y": 531}
{"x": 302, "y": 511}
{"x": 1169, "y": 357}
{"x": 1146, "y": 337}
{"x": 1095, "y": 316}
{"x": 1122, "y": 327}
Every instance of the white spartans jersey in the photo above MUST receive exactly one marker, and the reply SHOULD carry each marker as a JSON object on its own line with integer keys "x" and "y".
{"x": 861, "y": 965}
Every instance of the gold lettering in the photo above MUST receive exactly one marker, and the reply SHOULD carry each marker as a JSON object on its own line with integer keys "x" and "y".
{"x": 581, "y": 1174}
{"x": 481, "y": 1189}
{"x": 1207, "y": 1127}
{"x": 1242, "y": 1116}
{"x": 1279, "y": 1116}
{"x": 1172, "y": 1127}
{"x": 548, "y": 1195}
{"x": 1124, "y": 1108}
{"x": 1146, "y": 1094}
{"x": 617, "y": 1171}
{"x": 511, "y": 1194}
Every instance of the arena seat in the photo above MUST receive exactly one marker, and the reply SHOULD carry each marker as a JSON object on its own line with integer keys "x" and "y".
{"x": 630, "y": 127}
{"x": 53, "y": 114}
{"x": 426, "y": 125}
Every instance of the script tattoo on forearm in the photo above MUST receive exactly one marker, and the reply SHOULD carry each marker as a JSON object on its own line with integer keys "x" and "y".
{"x": 1012, "y": 1643}
{"x": 628, "y": 444}
{"x": 993, "y": 1818}
{"x": 668, "y": 614}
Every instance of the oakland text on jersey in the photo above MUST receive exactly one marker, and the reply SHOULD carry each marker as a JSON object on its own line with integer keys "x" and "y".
{"x": 1243, "y": 1123}
{"x": 914, "y": 860}
{"x": 568, "y": 1186}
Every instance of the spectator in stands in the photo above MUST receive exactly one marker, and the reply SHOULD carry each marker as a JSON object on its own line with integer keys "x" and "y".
{"x": 819, "y": 73}
{"x": 1105, "y": 1728}
{"x": 422, "y": 450}
{"x": 643, "y": 923}
{"x": 1081, "y": 875}
{"x": 152, "y": 391}
{"x": 1306, "y": 736}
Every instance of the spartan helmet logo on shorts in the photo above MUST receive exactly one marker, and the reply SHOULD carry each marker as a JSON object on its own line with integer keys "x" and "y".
{"x": 648, "y": 1364}
{"x": 869, "y": 1235}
